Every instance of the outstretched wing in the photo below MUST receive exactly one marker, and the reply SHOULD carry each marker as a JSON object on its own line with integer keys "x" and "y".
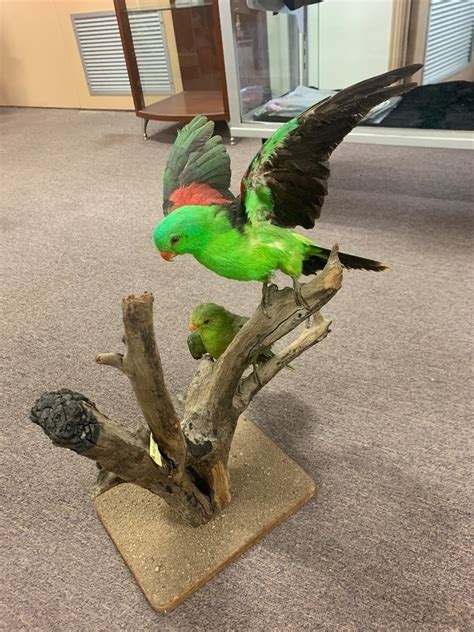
{"x": 198, "y": 168}
{"x": 286, "y": 183}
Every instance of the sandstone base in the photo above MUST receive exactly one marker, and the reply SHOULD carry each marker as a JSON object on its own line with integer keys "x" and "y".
{"x": 171, "y": 560}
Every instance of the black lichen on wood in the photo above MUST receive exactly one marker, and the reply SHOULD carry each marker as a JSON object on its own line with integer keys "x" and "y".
{"x": 65, "y": 419}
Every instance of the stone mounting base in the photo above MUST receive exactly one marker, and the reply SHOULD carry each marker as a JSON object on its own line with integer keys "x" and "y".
{"x": 171, "y": 560}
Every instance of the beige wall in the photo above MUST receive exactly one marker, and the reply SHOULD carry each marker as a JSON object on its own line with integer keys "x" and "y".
{"x": 40, "y": 63}
{"x": 465, "y": 75}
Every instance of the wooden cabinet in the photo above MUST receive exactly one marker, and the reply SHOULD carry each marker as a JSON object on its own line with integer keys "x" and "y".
{"x": 196, "y": 30}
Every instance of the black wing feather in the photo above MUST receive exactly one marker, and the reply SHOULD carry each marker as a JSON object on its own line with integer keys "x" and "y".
{"x": 297, "y": 171}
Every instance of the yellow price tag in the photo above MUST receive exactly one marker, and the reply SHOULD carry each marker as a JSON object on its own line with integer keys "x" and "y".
{"x": 154, "y": 451}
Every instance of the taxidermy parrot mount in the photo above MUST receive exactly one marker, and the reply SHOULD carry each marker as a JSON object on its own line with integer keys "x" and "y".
{"x": 212, "y": 330}
{"x": 248, "y": 237}
{"x": 183, "y": 458}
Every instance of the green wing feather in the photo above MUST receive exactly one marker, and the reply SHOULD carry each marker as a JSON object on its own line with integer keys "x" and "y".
{"x": 191, "y": 138}
{"x": 257, "y": 195}
{"x": 197, "y": 157}
{"x": 273, "y": 143}
{"x": 210, "y": 165}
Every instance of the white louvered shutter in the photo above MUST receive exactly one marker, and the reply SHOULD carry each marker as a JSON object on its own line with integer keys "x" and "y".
{"x": 98, "y": 38}
{"x": 449, "y": 39}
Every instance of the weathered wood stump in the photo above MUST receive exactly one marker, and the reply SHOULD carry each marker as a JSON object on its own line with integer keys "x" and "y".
{"x": 193, "y": 475}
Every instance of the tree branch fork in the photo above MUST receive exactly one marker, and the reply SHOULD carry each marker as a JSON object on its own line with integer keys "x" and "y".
{"x": 191, "y": 475}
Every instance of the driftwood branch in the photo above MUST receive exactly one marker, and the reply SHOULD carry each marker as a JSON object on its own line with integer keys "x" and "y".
{"x": 142, "y": 365}
{"x": 251, "y": 384}
{"x": 72, "y": 421}
{"x": 192, "y": 476}
{"x": 110, "y": 359}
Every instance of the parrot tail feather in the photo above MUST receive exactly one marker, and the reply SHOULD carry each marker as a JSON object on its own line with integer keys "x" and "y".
{"x": 318, "y": 260}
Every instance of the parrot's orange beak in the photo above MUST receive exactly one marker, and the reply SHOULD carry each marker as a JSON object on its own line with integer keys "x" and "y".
{"x": 167, "y": 256}
{"x": 192, "y": 327}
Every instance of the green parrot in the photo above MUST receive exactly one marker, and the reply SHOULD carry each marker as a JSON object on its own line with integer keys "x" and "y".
{"x": 249, "y": 237}
{"x": 212, "y": 330}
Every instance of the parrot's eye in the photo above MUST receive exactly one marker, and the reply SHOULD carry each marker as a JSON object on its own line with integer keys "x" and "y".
{"x": 206, "y": 322}
{"x": 174, "y": 239}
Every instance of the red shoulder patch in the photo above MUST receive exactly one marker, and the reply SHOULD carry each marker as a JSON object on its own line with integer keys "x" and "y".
{"x": 198, "y": 194}
{"x": 243, "y": 188}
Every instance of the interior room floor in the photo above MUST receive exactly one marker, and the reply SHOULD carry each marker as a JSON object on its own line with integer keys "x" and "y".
{"x": 376, "y": 414}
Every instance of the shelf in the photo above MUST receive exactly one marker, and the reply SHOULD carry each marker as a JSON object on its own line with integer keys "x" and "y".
{"x": 166, "y": 5}
{"x": 185, "y": 106}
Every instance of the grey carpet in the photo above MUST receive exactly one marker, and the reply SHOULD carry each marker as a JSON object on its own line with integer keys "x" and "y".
{"x": 377, "y": 413}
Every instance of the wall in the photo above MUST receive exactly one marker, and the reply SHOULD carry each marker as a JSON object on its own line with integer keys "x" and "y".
{"x": 464, "y": 75}
{"x": 279, "y": 61}
{"x": 354, "y": 41}
{"x": 40, "y": 63}
{"x": 348, "y": 40}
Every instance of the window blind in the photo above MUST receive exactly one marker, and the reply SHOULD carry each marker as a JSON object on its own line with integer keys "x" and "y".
{"x": 449, "y": 39}
{"x": 98, "y": 38}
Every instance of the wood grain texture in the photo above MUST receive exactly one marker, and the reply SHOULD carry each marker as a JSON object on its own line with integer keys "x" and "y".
{"x": 186, "y": 105}
{"x": 123, "y": 22}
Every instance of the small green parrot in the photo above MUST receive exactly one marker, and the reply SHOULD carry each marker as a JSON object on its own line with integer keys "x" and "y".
{"x": 212, "y": 330}
{"x": 249, "y": 237}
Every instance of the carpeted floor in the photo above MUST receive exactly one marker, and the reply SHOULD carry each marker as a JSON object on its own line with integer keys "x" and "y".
{"x": 377, "y": 413}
